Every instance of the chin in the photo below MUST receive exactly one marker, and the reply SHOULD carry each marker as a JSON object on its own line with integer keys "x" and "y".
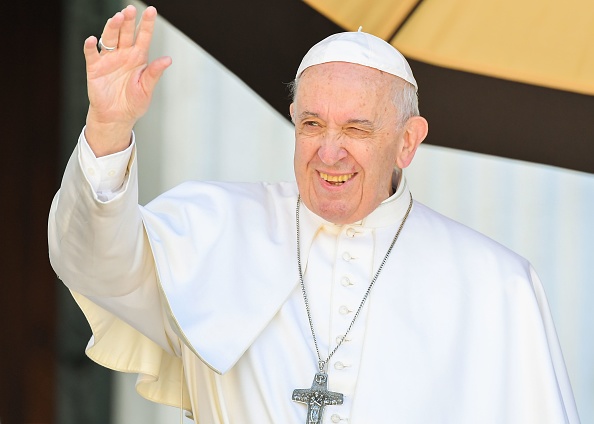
{"x": 335, "y": 215}
{"x": 336, "y": 211}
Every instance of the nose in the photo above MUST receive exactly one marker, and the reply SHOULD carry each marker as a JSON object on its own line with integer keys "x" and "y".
{"x": 331, "y": 151}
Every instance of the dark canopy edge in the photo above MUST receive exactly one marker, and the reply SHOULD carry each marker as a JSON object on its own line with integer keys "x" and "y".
{"x": 263, "y": 41}
{"x": 504, "y": 118}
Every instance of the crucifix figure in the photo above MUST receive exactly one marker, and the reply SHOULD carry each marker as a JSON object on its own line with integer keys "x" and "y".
{"x": 317, "y": 397}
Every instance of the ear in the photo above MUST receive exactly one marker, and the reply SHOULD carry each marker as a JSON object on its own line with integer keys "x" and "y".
{"x": 414, "y": 132}
{"x": 291, "y": 110}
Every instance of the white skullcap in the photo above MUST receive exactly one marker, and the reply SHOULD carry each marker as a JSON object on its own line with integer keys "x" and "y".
{"x": 360, "y": 48}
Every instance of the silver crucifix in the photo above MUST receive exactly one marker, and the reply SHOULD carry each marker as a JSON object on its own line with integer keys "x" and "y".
{"x": 317, "y": 397}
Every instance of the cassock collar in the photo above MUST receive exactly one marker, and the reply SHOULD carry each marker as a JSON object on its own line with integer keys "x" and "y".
{"x": 390, "y": 212}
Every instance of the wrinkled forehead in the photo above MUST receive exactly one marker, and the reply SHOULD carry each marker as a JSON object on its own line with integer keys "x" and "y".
{"x": 346, "y": 91}
{"x": 347, "y": 75}
{"x": 358, "y": 48}
{"x": 344, "y": 79}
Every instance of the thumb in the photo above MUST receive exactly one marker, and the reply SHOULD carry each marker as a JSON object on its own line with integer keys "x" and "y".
{"x": 152, "y": 74}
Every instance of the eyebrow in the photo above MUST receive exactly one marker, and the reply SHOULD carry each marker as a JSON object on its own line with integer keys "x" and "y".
{"x": 308, "y": 114}
{"x": 364, "y": 122}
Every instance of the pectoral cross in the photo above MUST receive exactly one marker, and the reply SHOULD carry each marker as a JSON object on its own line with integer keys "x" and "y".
{"x": 317, "y": 397}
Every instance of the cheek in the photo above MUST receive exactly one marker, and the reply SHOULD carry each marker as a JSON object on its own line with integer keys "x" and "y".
{"x": 379, "y": 168}
{"x": 300, "y": 162}
{"x": 305, "y": 150}
{"x": 298, "y": 156}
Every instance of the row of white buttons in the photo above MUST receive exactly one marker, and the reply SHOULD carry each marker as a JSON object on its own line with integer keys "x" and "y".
{"x": 344, "y": 310}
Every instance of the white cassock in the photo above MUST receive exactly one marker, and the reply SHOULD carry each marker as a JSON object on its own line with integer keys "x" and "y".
{"x": 456, "y": 330}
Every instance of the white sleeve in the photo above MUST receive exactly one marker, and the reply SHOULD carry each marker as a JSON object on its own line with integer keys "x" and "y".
{"x": 100, "y": 250}
{"x": 105, "y": 174}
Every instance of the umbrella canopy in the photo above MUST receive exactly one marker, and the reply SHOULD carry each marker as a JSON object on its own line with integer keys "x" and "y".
{"x": 540, "y": 42}
{"x": 512, "y": 79}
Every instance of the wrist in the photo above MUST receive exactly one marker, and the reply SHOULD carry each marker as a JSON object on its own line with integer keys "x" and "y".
{"x": 106, "y": 138}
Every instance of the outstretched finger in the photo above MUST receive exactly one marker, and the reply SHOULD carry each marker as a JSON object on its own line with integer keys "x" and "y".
{"x": 128, "y": 27}
{"x": 145, "y": 28}
{"x": 90, "y": 51}
{"x": 111, "y": 32}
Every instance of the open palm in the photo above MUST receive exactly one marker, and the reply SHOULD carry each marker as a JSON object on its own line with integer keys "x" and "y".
{"x": 120, "y": 82}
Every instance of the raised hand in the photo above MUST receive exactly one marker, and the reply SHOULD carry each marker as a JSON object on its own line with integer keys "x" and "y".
{"x": 120, "y": 80}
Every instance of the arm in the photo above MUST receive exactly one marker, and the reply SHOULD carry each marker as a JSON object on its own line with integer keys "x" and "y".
{"x": 97, "y": 247}
{"x": 97, "y": 243}
{"x": 89, "y": 236}
{"x": 100, "y": 251}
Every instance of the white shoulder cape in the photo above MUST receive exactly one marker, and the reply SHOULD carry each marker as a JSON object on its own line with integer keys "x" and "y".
{"x": 225, "y": 258}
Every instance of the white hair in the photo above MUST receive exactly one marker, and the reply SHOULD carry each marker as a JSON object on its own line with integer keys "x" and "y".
{"x": 406, "y": 101}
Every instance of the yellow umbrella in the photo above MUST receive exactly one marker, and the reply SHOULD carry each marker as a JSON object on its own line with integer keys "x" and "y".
{"x": 513, "y": 78}
{"x": 541, "y": 42}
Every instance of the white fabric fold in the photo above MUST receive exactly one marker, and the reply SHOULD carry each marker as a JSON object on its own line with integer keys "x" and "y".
{"x": 197, "y": 232}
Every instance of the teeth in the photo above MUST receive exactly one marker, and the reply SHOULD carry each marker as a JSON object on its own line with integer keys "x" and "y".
{"x": 336, "y": 178}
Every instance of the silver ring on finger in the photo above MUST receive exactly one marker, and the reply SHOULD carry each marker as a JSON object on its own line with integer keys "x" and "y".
{"x": 106, "y": 48}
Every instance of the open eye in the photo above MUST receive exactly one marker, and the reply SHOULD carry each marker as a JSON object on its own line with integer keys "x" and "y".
{"x": 311, "y": 126}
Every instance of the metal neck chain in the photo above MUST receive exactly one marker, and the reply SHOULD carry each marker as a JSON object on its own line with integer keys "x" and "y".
{"x": 322, "y": 363}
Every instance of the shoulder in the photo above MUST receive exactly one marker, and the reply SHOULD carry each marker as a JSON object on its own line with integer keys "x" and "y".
{"x": 444, "y": 237}
{"x": 216, "y": 191}
{"x": 445, "y": 259}
{"x": 220, "y": 204}
{"x": 223, "y": 196}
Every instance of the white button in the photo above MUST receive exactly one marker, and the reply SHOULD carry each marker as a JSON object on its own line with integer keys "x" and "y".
{"x": 351, "y": 232}
{"x": 344, "y": 310}
{"x": 339, "y": 338}
{"x": 339, "y": 365}
{"x": 111, "y": 173}
{"x": 345, "y": 281}
{"x": 91, "y": 171}
{"x": 346, "y": 256}
{"x": 335, "y": 418}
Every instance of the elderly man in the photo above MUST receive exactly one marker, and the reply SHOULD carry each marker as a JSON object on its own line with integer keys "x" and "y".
{"x": 336, "y": 299}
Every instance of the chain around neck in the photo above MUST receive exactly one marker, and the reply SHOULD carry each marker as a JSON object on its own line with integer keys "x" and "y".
{"x": 323, "y": 362}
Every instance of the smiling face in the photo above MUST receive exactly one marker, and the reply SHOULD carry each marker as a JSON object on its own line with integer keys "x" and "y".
{"x": 348, "y": 139}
